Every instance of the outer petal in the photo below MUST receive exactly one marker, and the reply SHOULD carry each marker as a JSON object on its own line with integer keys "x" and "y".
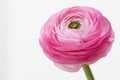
{"x": 68, "y": 67}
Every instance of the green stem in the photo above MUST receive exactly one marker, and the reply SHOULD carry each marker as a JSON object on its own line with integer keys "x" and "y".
{"x": 88, "y": 72}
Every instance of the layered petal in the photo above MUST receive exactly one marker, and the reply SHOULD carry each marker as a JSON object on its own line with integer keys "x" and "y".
{"x": 70, "y": 48}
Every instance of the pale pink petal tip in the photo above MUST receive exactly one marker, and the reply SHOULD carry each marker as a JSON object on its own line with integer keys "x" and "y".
{"x": 68, "y": 67}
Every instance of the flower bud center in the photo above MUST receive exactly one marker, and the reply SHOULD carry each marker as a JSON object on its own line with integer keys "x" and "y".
{"x": 74, "y": 25}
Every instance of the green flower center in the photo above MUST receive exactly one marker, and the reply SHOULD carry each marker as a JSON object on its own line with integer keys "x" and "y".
{"x": 74, "y": 25}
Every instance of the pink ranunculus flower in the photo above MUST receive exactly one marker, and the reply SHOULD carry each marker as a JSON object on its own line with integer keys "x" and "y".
{"x": 76, "y": 36}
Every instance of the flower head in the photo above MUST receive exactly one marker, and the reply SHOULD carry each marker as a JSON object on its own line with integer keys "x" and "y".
{"x": 75, "y": 36}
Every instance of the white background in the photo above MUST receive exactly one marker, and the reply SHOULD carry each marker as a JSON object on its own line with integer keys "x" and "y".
{"x": 21, "y": 57}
